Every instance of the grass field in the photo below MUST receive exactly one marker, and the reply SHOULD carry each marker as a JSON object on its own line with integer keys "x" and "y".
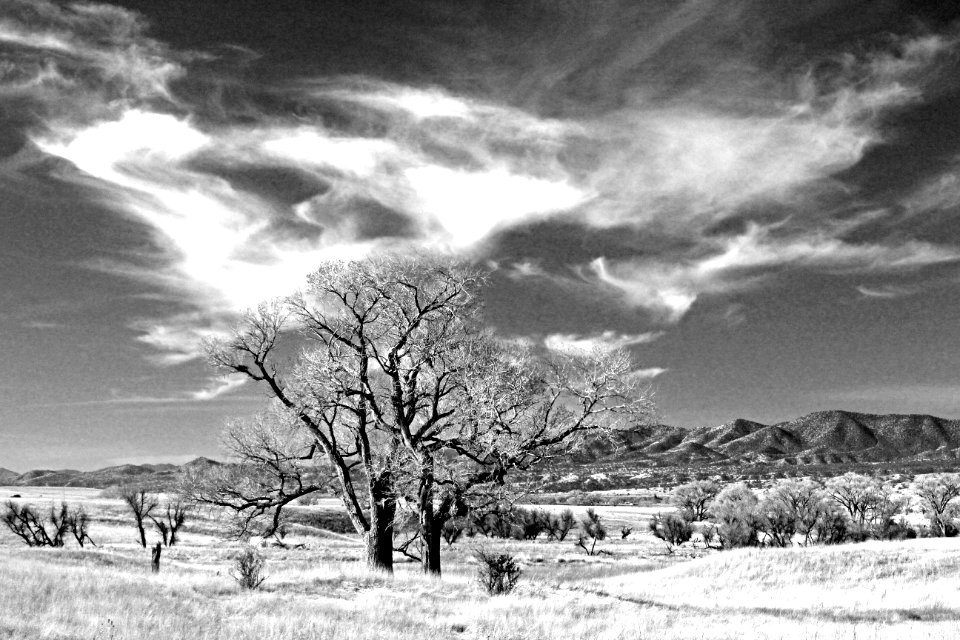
{"x": 874, "y": 590}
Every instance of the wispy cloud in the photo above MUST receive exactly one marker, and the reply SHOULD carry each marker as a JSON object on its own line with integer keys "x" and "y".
{"x": 41, "y": 324}
{"x": 746, "y": 260}
{"x": 887, "y": 291}
{"x": 220, "y": 388}
{"x": 411, "y": 168}
{"x": 607, "y": 341}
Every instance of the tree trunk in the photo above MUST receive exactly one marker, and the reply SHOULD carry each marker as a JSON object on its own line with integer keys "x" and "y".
{"x": 156, "y": 558}
{"x": 379, "y": 537}
{"x": 431, "y": 525}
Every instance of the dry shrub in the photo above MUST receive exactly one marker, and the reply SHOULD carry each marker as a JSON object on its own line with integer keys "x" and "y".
{"x": 497, "y": 573}
{"x": 248, "y": 568}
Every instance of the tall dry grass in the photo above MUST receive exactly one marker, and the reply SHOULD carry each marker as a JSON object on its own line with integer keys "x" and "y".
{"x": 874, "y": 590}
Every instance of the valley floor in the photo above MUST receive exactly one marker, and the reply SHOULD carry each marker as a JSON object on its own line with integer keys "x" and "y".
{"x": 875, "y": 590}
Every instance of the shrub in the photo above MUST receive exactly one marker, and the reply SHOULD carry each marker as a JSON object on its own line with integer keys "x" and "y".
{"x": 497, "y": 573}
{"x": 559, "y": 525}
{"x": 591, "y": 532}
{"x": 248, "y": 568}
{"x": 735, "y": 510}
{"x": 530, "y": 523}
{"x": 671, "y": 528}
{"x": 452, "y": 530}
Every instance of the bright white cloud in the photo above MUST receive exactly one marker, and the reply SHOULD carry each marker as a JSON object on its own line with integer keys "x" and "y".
{"x": 457, "y": 169}
{"x": 669, "y": 289}
{"x": 606, "y": 341}
{"x": 218, "y": 388}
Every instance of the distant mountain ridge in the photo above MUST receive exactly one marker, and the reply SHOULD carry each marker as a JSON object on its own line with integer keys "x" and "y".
{"x": 822, "y": 437}
{"x": 819, "y": 438}
{"x": 151, "y": 475}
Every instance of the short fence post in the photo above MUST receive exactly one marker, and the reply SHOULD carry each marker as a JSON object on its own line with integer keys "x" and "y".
{"x": 156, "y": 558}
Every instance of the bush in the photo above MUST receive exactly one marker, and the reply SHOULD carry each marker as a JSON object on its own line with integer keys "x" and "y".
{"x": 591, "y": 532}
{"x": 453, "y": 529}
{"x": 671, "y": 528}
{"x": 735, "y": 510}
{"x": 530, "y": 523}
{"x": 559, "y": 525}
{"x": 248, "y": 568}
{"x": 497, "y": 573}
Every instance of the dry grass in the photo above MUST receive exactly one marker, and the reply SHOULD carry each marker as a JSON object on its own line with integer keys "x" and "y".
{"x": 874, "y": 590}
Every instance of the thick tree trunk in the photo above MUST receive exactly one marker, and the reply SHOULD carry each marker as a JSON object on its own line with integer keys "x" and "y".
{"x": 379, "y": 537}
{"x": 431, "y": 525}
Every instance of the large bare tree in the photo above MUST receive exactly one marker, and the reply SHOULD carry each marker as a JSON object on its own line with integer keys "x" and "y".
{"x": 382, "y": 367}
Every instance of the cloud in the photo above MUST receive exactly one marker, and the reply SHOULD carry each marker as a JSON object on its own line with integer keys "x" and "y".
{"x": 649, "y": 373}
{"x": 437, "y": 169}
{"x": 607, "y": 341}
{"x": 220, "y": 388}
{"x": 669, "y": 288}
{"x": 39, "y": 324}
{"x": 887, "y": 291}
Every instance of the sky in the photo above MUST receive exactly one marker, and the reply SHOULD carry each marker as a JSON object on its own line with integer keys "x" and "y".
{"x": 758, "y": 199}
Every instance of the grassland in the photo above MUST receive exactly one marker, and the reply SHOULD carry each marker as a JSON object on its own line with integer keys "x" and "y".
{"x": 897, "y": 590}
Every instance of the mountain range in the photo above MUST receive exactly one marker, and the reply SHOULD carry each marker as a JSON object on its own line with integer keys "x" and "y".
{"x": 820, "y": 438}
{"x": 823, "y": 437}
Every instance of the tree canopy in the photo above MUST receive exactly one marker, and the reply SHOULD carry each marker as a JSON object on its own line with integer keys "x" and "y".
{"x": 388, "y": 387}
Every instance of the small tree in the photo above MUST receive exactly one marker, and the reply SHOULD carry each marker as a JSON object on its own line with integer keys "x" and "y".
{"x": 935, "y": 494}
{"x": 832, "y": 526}
{"x": 803, "y": 502}
{"x": 497, "y": 573}
{"x": 592, "y": 531}
{"x": 859, "y": 496}
{"x": 141, "y": 504}
{"x": 693, "y": 498}
{"x": 777, "y": 521}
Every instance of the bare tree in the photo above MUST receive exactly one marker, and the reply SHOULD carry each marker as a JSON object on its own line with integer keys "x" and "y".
{"x": 935, "y": 493}
{"x": 804, "y": 500}
{"x": 403, "y": 396}
{"x": 77, "y": 523}
{"x": 169, "y": 523}
{"x": 869, "y": 502}
{"x": 24, "y": 522}
{"x": 141, "y": 504}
